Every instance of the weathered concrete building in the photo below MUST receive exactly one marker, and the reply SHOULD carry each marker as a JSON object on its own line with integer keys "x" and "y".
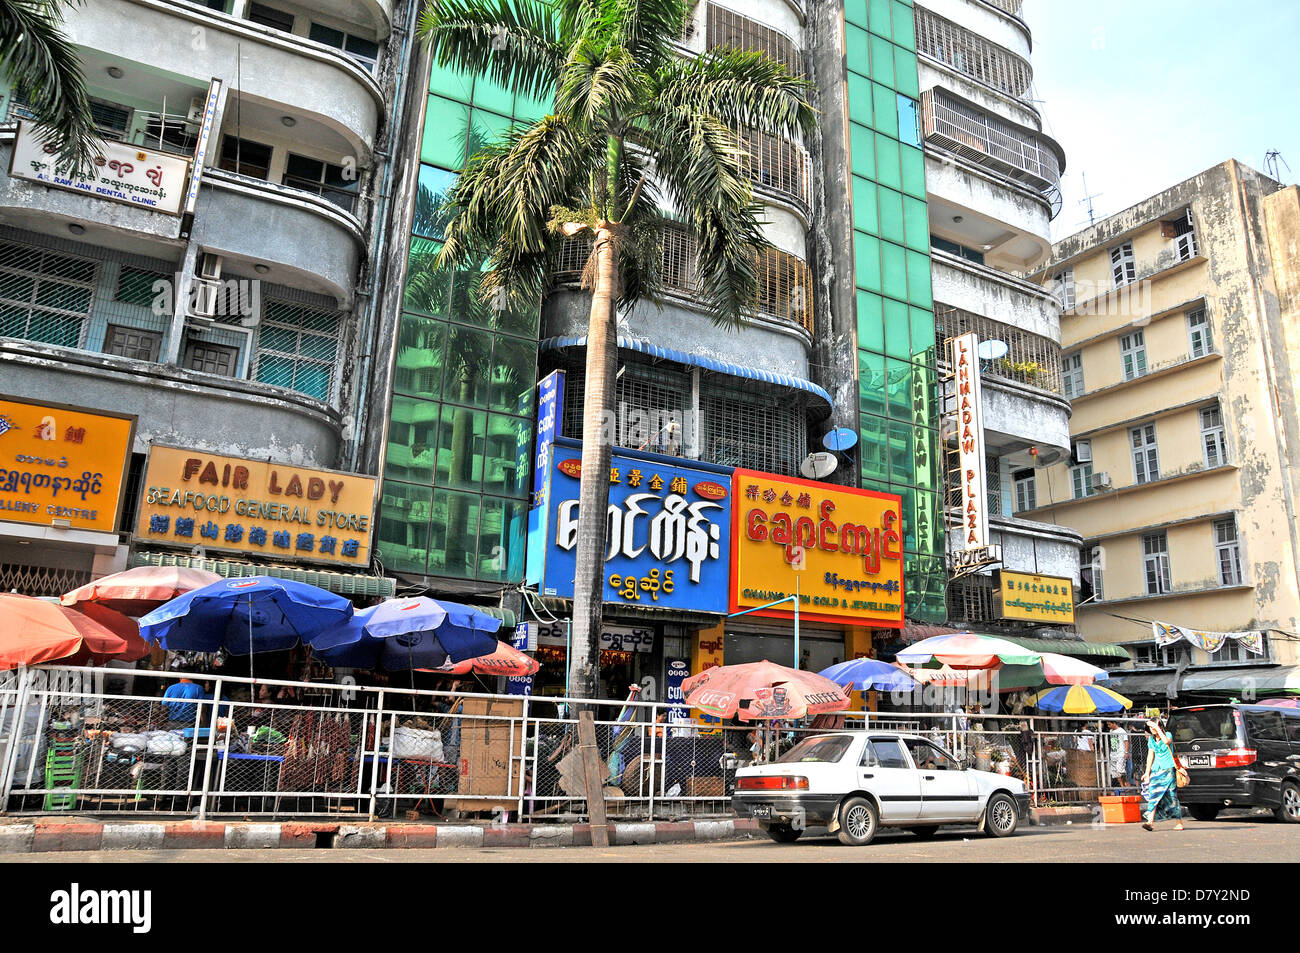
{"x": 1180, "y": 342}
{"x": 228, "y": 311}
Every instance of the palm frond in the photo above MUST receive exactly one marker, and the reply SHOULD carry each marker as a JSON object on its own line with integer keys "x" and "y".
{"x": 514, "y": 42}
{"x": 740, "y": 88}
{"x": 645, "y": 28}
{"x": 596, "y": 85}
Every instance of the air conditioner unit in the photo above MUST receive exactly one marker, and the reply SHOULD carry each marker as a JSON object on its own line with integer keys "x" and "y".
{"x": 197, "y": 107}
{"x": 1101, "y": 481}
{"x": 209, "y": 267}
{"x": 1083, "y": 451}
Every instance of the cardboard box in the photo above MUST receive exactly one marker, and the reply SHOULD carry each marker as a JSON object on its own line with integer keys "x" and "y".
{"x": 491, "y": 744}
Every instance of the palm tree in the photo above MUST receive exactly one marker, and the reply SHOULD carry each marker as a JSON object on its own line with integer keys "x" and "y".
{"x": 634, "y": 123}
{"x": 37, "y": 59}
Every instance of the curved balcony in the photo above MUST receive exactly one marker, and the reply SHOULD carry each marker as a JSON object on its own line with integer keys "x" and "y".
{"x": 972, "y": 55}
{"x": 1009, "y": 301}
{"x": 273, "y": 67}
{"x": 252, "y": 220}
{"x": 725, "y": 28}
{"x": 1007, "y": 223}
{"x": 777, "y": 167}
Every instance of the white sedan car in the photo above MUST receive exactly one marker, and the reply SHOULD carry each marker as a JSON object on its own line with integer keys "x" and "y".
{"x": 853, "y": 782}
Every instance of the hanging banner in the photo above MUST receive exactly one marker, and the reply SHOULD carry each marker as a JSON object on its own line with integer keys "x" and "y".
{"x": 963, "y": 357}
{"x": 1210, "y": 642}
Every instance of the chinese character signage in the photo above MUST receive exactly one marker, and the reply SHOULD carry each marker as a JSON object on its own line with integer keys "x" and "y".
{"x": 668, "y": 531}
{"x": 253, "y": 507}
{"x": 1035, "y": 598}
{"x": 61, "y": 463}
{"x": 550, "y": 412}
{"x": 851, "y": 542}
{"x": 144, "y": 178}
{"x": 964, "y": 357}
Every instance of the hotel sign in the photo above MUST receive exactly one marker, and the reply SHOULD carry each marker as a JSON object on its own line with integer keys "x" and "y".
{"x": 964, "y": 360}
{"x": 1031, "y": 598}
{"x": 125, "y": 173}
{"x": 255, "y": 507}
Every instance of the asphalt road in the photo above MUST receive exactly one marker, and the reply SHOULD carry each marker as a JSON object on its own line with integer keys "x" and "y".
{"x": 1239, "y": 840}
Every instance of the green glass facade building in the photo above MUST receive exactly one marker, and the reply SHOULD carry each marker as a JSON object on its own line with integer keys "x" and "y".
{"x": 891, "y": 257}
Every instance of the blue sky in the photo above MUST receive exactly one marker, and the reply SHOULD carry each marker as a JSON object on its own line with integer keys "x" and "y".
{"x": 1143, "y": 94}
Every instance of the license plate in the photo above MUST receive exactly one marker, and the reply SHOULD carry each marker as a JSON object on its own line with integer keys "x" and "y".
{"x": 1198, "y": 760}
{"x": 762, "y": 810}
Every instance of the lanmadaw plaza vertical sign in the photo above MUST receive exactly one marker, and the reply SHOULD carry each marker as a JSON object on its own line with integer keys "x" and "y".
{"x": 964, "y": 355}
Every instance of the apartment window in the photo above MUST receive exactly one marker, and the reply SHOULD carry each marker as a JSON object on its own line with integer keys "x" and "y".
{"x": 111, "y": 120}
{"x": 1064, "y": 281}
{"x": 1072, "y": 369}
{"x": 331, "y": 182}
{"x": 297, "y": 348}
{"x": 210, "y": 358}
{"x": 1123, "y": 267}
{"x": 44, "y": 296}
{"x": 1026, "y": 491}
{"x": 269, "y": 16}
{"x": 133, "y": 343}
{"x": 952, "y": 248}
{"x": 1133, "y": 352}
{"x": 1183, "y": 232}
{"x": 1090, "y": 574}
{"x": 171, "y": 135}
{"x": 1228, "y": 551}
{"x": 1213, "y": 442}
{"x": 1081, "y": 480}
{"x": 1198, "y": 331}
{"x": 1146, "y": 460}
{"x": 365, "y": 52}
{"x": 245, "y": 157}
{"x": 1155, "y": 563}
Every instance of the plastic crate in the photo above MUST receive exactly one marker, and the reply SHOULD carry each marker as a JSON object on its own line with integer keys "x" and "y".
{"x": 64, "y": 766}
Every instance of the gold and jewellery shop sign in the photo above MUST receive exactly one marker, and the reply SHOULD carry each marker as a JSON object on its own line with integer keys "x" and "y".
{"x": 1035, "y": 598}
{"x": 256, "y": 508}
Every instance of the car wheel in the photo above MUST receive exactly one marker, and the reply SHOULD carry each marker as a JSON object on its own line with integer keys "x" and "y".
{"x": 925, "y": 833}
{"x": 1289, "y": 809}
{"x": 1204, "y": 812}
{"x": 782, "y": 833}
{"x": 1000, "y": 817}
{"x": 858, "y": 822}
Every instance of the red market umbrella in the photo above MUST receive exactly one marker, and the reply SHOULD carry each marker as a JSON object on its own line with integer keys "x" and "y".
{"x": 139, "y": 591}
{"x": 771, "y": 691}
{"x": 506, "y": 660}
{"x": 34, "y": 631}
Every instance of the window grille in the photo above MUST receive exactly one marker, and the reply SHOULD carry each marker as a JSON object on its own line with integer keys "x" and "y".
{"x": 744, "y": 428}
{"x": 45, "y": 296}
{"x": 297, "y": 348}
{"x": 970, "y": 599}
{"x": 971, "y": 54}
{"x": 1030, "y": 359}
{"x": 43, "y": 581}
{"x": 776, "y": 164}
{"x": 1006, "y": 6}
{"x": 651, "y": 404}
{"x": 729, "y": 29}
{"x": 988, "y": 140}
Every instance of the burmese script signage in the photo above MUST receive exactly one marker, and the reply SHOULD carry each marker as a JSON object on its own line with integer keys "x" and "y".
{"x": 125, "y": 173}
{"x": 62, "y": 463}
{"x": 254, "y": 507}
{"x": 851, "y": 542}
{"x": 1034, "y": 598}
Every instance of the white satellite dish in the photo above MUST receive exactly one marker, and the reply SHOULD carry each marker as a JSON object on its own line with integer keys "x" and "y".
{"x": 815, "y": 466}
{"x": 992, "y": 349}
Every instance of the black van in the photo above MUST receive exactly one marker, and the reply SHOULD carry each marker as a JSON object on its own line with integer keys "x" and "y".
{"x": 1239, "y": 756}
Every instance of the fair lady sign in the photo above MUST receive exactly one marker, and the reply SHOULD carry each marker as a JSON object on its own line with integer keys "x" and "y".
{"x": 668, "y": 531}
{"x": 124, "y": 173}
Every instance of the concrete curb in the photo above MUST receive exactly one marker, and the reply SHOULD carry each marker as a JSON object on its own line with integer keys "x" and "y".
{"x": 1059, "y": 816}
{"x": 45, "y": 835}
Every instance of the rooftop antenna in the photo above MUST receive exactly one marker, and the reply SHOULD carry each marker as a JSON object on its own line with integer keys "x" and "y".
{"x": 1271, "y": 160}
{"x": 1087, "y": 200}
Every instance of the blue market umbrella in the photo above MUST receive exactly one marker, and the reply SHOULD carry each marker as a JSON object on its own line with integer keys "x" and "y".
{"x": 243, "y": 616}
{"x": 867, "y": 674}
{"x": 408, "y": 634}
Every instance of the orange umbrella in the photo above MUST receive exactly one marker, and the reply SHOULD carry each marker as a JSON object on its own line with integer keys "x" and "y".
{"x": 34, "y": 631}
{"x": 506, "y": 660}
{"x": 138, "y": 591}
{"x": 771, "y": 691}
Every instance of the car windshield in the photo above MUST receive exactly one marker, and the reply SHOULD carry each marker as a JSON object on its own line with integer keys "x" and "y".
{"x": 1200, "y": 724}
{"x": 828, "y": 748}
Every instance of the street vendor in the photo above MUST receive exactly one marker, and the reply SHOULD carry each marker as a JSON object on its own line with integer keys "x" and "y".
{"x": 183, "y": 712}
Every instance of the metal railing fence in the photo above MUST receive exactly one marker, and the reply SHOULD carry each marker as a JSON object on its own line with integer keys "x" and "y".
{"x": 111, "y": 742}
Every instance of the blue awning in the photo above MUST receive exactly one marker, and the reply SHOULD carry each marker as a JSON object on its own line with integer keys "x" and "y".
{"x": 696, "y": 360}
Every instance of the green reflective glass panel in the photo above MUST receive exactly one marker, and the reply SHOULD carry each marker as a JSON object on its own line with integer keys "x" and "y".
{"x": 887, "y": 161}
{"x": 891, "y": 215}
{"x": 446, "y": 131}
{"x": 460, "y": 448}
{"x": 467, "y": 302}
{"x": 485, "y": 128}
{"x": 905, "y": 77}
{"x": 859, "y": 99}
{"x": 866, "y": 261}
{"x": 897, "y": 338}
{"x": 402, "y": 534}
{"x": 918, "y": 279}
{"x": 913, "y": 162}
{"x": 904, "y": 25}
{"x": 872, "y": 383}
{"x": 514, "y": 369}
{"x": 857, "y": 54}
{"x": 505, "y": 456}
{"x": 866, "y": 215}
{"x": 429, "y": 217}
{"x": 469, "y": 360}
{"x": 922, "y": 396}
{"x": 503, "y": 525}
{"x": 922, "y": 334}
{"x": 894, "y": 275}
{"x": 916, "y": 224}
{"x": 855, "y": 12}
{"x": 428, "y": 287}
{"x": 874, "y": 451}
{"x": 878, "y": 17}
{"x": 898, "y": 392}
{"x": 900, "y": 455}
{"x": 871, "y": 322}
{"x": 862, "y": 143}
{"x": 412, "y": 440}
{"x": 450, "y": 82}
{"x": 453, "y": 542}
{"x": 421, "y": 344}
{"x": 882, "y": 61}
{"x": 884, "y": 102}
{"x": 491, "y": 95}
{"x": 927, "y": 522}
{"x": 532, "y": 108}
{"x": 909, "y": 513}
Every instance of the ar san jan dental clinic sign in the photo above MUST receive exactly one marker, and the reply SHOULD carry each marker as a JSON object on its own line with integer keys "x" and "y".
{"x": 850, "y": 540}
{"x": 668, "y": 530}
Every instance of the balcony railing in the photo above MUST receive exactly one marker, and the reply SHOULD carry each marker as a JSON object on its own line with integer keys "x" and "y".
{"x": 1030, "y": 359}
{"x": 776, "y": 164}
{"x": 728, "y": 29}
{"x": 986, "y": 139}
{"x": 972, "y": 55}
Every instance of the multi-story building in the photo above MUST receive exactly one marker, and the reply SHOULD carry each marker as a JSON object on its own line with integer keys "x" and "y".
{"x": 214, "y": 276}
{"x": 1180, "y": 348}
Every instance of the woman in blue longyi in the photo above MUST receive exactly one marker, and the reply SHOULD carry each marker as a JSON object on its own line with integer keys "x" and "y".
{"x": 1160, "y": 783}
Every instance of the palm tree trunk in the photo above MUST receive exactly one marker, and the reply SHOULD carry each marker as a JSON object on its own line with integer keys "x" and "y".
{"x": 593, "y": 491}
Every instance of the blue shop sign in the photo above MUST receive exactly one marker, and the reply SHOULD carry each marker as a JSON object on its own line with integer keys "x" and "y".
{"x": 669, "y": 530}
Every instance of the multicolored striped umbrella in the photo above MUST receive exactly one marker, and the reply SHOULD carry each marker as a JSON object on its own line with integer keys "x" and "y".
{"x": 1081, "y": 700}
{"x": 966, "y": 650}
